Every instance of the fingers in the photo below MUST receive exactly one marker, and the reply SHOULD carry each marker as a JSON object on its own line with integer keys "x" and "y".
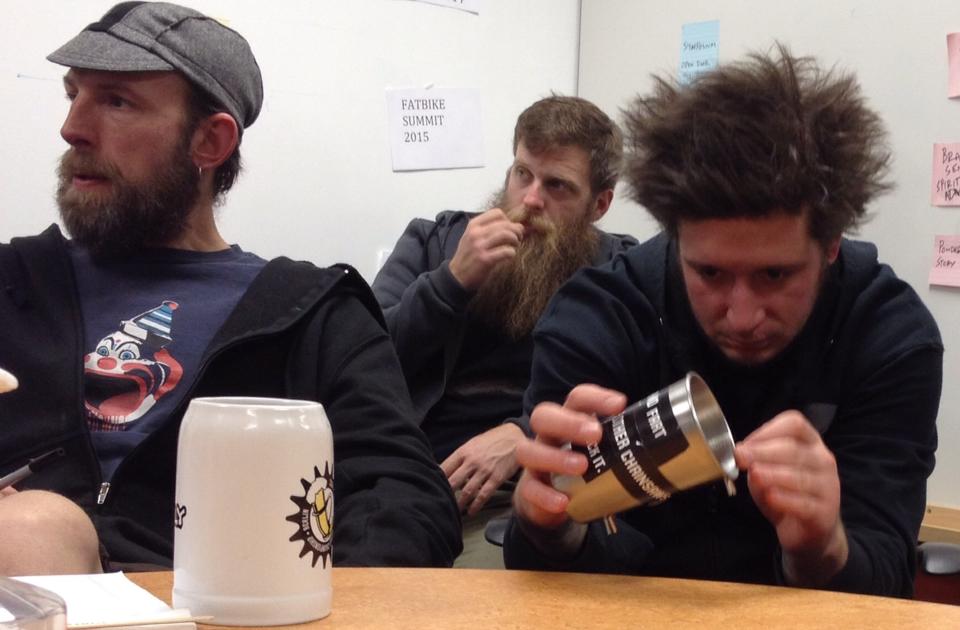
{"x": 789, "y": 423}
{"x": 793, "y": 479}
{"x": 590, "y": 398}
{"x": 495, "y": 226}
{"x": 535, "y": 499}
{"x": 464, "y": 498}
{"x": 477, "y": 490}
{"x": 465, "y": 480}
{"x": 557, "y": 425}
{"x": 575, "y": 421}
{"x": 483, "y": 495}
{"x": 489, "y": 239}
{"x": 542, "y": 458}
{"x": 8, "y": 382}
{"x": 451, "y": 463}
{"x": 779, "y": 439}
{"x": 539, "y": 503}
{"x": 787, "y": 453}
{"x": 803, "y": 506}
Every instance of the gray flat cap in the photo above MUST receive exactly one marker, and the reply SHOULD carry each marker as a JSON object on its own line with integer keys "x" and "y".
{"x": 144, "y": 36}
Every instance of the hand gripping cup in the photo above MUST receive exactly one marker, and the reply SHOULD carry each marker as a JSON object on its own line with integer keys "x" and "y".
{"x": 674, "y": 439}
{"x": 254, "y": 511}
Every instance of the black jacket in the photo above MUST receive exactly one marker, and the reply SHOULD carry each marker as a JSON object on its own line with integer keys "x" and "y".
{"x": 298, "y": 332}
{"x": 866, "y": 370}
{"x": 425, "y": 306}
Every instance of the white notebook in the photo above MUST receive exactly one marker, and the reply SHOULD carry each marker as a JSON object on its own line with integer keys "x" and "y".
{"x": 111, "y": 600}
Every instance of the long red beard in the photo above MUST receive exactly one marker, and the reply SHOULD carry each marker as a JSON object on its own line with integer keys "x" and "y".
{"x": 517, "y": 292}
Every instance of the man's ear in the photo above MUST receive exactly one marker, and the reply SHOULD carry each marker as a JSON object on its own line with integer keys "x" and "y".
{"x": 214, "y": 140}
{"x": 602, "y": 204}
{"x": 833, "y": 250}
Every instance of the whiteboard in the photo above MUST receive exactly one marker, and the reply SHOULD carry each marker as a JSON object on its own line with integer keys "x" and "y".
{"x": 898, "y": 51}
{"x": 318, "y": 183}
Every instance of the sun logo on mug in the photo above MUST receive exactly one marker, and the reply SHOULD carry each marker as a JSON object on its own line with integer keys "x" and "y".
{"x": 314, "y": 515}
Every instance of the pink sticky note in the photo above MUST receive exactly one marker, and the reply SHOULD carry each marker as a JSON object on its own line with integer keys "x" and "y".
{"x": 945, "y": 185}
{"x": 953, "y": 61}
{"x": 945, "y": 265}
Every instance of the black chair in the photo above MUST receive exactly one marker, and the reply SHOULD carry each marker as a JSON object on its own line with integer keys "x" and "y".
{"x": 496, "y": 529}
{"x": 938, "y": 573}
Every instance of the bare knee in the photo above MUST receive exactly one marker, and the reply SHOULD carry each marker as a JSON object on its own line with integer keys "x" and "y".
{"x": 45, "y": 533}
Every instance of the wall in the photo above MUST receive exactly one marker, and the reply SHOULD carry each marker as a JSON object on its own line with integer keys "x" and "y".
{"x": 318, "y": 183}
{"x": 898, "y": 51}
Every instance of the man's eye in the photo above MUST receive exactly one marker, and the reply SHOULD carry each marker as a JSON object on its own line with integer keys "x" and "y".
{"x": 775, "y": 274}
{"x": 116, "y": 101}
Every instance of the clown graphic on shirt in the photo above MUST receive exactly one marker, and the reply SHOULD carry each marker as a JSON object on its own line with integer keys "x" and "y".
{"x": 130, "y": 369}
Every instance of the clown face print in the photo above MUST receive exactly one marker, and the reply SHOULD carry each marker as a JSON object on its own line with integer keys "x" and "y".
{"x": 130, "y": 369}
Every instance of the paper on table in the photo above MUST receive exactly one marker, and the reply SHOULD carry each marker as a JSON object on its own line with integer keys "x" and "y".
{"x": 110, "y": 599}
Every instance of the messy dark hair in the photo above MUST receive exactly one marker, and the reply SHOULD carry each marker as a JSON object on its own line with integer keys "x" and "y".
{"x": 199, "y": 106}
{"x": 769, "y": 134}
{"x": 571, "y": 121}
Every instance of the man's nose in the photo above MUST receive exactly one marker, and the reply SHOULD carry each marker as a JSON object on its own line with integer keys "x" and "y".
{"x": 745, "y": 309}
{"x": 78, "y": 127}
{"x": 533, "y": 196}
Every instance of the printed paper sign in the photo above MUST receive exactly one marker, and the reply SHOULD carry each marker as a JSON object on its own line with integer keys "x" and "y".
{"x": 471, "y": 6}
{"x": 946, "y": 175}
{"x": 945, "y": 268}
{"x": 699, "y": 49}
{"x": 953, "y": 62}
{"x": 435, "y": 128}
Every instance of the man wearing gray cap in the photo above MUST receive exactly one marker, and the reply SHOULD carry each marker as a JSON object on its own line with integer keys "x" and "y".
{"x": 112, "y": 332}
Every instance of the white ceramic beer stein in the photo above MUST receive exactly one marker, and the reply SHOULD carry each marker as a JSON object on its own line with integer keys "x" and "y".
{"x": 254, "y": 511}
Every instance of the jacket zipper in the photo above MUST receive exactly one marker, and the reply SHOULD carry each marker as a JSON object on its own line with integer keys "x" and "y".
{"x": 102, "y": 495}
{"x": 80, "y": 333}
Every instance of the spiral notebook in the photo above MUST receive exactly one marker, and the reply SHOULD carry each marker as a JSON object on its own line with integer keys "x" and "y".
{"x": 111, "y": 600}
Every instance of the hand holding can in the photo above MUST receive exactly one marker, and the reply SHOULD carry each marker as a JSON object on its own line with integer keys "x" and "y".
{"x": 674, "y": 439}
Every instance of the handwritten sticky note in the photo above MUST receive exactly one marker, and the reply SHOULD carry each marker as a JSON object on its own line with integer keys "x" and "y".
{"x": 945, "y": 186}
{"x": 699, "y": 49}
{"x": 953, "y": 63}
{"x": 471, "y": 6}
{"x": 945, "y": 264}
{"x": 435, "y": 128}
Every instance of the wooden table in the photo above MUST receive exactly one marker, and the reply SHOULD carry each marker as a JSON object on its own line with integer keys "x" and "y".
{"x": 452, "y": 599}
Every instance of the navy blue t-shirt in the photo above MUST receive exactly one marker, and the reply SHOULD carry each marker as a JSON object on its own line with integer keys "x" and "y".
{"x": 148, "y": 320}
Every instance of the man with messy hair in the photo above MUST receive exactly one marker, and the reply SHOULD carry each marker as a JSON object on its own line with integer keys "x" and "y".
{"x": 462, "y": 293}
{"x": 827, "y": 366}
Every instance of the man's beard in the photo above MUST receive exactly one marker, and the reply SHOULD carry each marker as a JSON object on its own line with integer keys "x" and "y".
{"x": 517, "y": 291}
{"x": 130, "y": 216}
